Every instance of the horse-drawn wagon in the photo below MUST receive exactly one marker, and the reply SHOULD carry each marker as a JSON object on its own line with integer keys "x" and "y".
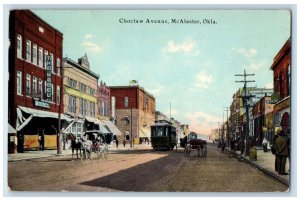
{"x": 192, "y": 142}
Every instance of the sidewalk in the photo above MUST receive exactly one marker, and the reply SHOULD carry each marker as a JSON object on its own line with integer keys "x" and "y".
{"x": 27, "y": 155}
{"x": 266, "y": 163}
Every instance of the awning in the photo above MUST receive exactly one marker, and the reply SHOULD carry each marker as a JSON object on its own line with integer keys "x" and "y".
{"x": 68, "y": 128}
{"x": 22, "y": 121}
{"x": 103, "y": 127}
{"x": 10, "y": 129}
{"x": 43, "y": 114}
{"x": 143, "y": 132}
{"x": 112, "y": 127}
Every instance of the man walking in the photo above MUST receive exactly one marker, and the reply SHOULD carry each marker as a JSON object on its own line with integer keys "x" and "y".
{"x": 281, "y": 152}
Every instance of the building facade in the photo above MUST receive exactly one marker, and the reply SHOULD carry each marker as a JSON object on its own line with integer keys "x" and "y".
{"x": 35, "y": 80}
{"x": 104, "y": 104}
{"x": 133, "y": 109}
{"x": 281, "y": 68}
{"x": 80, "y": 95}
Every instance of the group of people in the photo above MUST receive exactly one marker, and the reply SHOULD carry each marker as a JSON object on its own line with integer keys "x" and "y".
{"x": 281, "y": 150}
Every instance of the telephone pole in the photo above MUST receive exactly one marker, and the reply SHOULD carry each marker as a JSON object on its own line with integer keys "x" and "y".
{"x": 245, "y": 98}
{"x": 227, "y": 129}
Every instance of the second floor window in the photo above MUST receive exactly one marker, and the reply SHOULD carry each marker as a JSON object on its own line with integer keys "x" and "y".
{"x": 58, "y": 95}
{"x": 72, "y": 104}
{"x": 19, "y": 82}
{"x": 126, "y": 101}
{"x": 40, "y": 88}
{"x": 28, "y": 85}
{"x": 19, "y": 46}
{"x": 34, "y": 85}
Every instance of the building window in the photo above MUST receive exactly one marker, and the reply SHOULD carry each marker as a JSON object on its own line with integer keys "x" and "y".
{"x": 19, "y": 82}
{"x": 40, "y": 88}
{"x": 19, "y": 46}
{"x": 28, "y": 50}
{"x": 52, "y": 62}
{"x": 72, "y": 104}
{"x": 28, "y": 85}
{"x": 45, "y": 59}
{"x": 58, "y": 66}
{"x": 92, "y": 91}
{"x": 34, "y": 54}
{"x": 58, "y": 95}
{"x": 127, "y": 136}
{"x": 92, "y": 109}
{"x": 83, "y": 106}
{"x": 126, "y": 101}
{"x": 34, "y": 86}
{"x": 40, "y": 56}
{"x": 72, "y": 83}
{"x": 102, "y": 108}
{"x": 126, "y": 120}
{"x": 82, "y": 87}
{"x": 145, "y": 101}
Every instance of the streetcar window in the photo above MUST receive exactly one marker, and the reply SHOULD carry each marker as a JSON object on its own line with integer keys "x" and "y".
{"x": 158, "y": 131}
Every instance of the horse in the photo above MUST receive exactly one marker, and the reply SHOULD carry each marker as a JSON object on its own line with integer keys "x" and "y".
{"x": 75, "y": 144}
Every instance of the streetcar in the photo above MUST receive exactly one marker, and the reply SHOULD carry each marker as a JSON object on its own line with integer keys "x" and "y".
{"x": 163, "y": 135}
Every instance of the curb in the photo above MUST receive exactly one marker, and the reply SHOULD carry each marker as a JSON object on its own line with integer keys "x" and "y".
{"x": 266, "y": 171}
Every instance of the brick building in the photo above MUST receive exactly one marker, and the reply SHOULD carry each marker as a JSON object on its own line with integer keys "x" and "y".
{"x": 31, "y": 75}
{"x": 104, "y": 101}
{"x": 282, "y": 86}
{"x": 133, "y": 109}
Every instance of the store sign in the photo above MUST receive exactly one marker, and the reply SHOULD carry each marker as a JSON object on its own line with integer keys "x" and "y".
{"x": 48, "y": 78}
{"x": 282, "y": 105}
{"x": 271, "y": 101}
{"x": 42, "y": 104}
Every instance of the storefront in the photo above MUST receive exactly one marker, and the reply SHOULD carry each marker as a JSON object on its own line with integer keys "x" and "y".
{"x": 282, "y": 114}
{"x": 38, "y": 129}
{"x": 12, "y": 139}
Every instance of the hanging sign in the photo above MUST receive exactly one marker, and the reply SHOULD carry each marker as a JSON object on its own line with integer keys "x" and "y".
{"x": 48, "y": 78}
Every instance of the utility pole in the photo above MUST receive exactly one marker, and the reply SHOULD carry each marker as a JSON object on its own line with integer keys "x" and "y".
{"x": 227, "y": 129}
{"x": 245, "y": 97}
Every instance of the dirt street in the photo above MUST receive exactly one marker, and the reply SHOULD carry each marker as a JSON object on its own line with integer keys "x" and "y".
{"x": 142, "y": 170}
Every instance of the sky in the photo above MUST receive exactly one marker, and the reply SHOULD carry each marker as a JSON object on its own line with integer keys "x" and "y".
{"x": 190, "y": 66}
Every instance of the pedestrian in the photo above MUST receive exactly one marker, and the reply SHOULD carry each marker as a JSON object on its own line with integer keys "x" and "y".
{"x": 265, "y": 144}
{"x": 223, "y": 146}
{"x": 124, "y": 142}
{"x": 117, "y": 143}
{"x": 281, "y": 152}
